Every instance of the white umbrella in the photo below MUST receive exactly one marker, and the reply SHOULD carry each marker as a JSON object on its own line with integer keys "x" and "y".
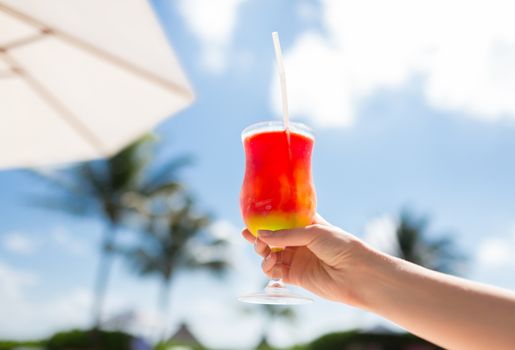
{"x": 80, "y": 79}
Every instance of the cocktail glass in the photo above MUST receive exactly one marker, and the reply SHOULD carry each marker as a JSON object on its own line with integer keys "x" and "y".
{"x": 277, "y": 191}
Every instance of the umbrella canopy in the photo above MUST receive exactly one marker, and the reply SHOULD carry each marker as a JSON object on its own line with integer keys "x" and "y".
{"x": 81, "y": 79}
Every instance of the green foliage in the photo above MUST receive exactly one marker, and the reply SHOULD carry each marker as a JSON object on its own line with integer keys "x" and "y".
{"x": 177, "y": 240}
{"x": 263, "y": 345}
{"x": 277, "y": 312}
{"x": 12, "y": 344}
{"x": 439, "y": 254}
{"x": 173, "y": 345}
{"x": 94, "y": 339}
{"x": 112, "y": 189}
{"x": 351, "y": 340}
{"x": 354, "y": 340}
{"x": 102, "y": 187}
{"x": 298, "y": 347}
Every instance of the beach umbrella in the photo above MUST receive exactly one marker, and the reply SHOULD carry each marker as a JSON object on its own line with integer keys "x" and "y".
{"x": 81, "y": 79}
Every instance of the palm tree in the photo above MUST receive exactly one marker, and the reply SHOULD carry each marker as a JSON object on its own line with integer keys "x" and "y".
{"x": 176, "y": 241}
{"x": 110, "y": 189}
{"x": 439, "y": 254}
{"x": 271, "y": 314}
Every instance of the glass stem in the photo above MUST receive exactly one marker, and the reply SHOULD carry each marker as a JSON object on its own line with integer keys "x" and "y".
{"x": 275, "y": 284}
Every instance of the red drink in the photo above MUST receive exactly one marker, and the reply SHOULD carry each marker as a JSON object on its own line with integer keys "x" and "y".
{"x": 277, "y": 190}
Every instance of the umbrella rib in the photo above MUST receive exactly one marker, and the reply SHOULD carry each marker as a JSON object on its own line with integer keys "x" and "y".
{"x": 96, "y": 51}
{"x": 25, "y": 41}
{"x": 7, "y": 73}
{"x": 60, "y": 108}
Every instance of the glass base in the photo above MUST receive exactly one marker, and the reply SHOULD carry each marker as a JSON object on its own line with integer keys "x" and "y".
{"x": 275, "y": 293}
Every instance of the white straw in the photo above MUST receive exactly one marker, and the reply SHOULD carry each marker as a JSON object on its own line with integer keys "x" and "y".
{"x": 282, "y": 77}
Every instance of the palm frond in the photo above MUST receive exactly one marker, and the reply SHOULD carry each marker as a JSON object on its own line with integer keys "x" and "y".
{"x": 126, "y": 168}
{"x": 183, "y": 243}
{"x": 71, "y": 205}
{"x": 439, "y": 254}
{"x": 143, "y": 262}
{"x": 219, "y": 242}
{"x": 165, "y": 189}
{"x": 276, "y": 312}
{"x": 217, "y": 267}
{"x": 55, "y": 180}
{"x": 166, "y": 173}
{"x": 92, "y": 178}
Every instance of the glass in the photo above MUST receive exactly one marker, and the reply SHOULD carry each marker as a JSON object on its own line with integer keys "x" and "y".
{"x": 277, "y": 191}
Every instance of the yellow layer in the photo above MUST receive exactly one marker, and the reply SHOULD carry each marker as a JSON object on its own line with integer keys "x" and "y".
{"x": 274, "y": 222}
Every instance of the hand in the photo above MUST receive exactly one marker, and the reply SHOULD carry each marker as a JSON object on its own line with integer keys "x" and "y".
{"x": 320, "y": 258}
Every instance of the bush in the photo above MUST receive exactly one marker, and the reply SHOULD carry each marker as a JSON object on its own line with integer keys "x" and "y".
{"x": 172, "y": 345}
{"x": 8, "y": 345}
{"x": 354, "y": 340}
{"x": 90, "y": 340}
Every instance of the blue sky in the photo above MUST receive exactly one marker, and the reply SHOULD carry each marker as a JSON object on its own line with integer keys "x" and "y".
{"x": 418, "y": 118}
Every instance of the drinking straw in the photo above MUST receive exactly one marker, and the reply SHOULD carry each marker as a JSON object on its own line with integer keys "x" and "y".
{"x": 282, "y": 77}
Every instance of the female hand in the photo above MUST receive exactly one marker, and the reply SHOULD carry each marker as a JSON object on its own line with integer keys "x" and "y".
{"x": 320, "y": 258}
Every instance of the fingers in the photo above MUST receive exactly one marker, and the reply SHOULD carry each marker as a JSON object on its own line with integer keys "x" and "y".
{"x": 274, "y": 266}
{"x": 295, "y": 237}
{"x": 276, "y": 271}
{"x": 248, "y": 236}
{"x": 269, "y": 262}
{"x": 270, "y": 265}
{"x": 318, "y": 219}
{"x": 261, "y": 248}
{"x": 321, "y": 238}
{"x": 279, "y": 271}
{"x": 286, "y": 256}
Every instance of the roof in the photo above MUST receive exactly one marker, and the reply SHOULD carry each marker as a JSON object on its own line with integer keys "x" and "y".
{"x": 184, "y": 335}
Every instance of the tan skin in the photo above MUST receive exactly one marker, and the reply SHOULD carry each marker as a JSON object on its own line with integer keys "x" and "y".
{"x": 452, "y": 312}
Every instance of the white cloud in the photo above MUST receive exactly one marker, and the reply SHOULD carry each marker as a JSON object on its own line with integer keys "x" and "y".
{"x": 314, "y": 88}
{"x": 212, "y": 23}
{"x": 226, "y": 230}
{"x": 381, "y": 234}
{"x": 19, "y": 243}
{"x": 25, "y": 244}
{"x": 22, "y": 317}
{"x": 69, "y": 243}
{"x": 497, "y": 252}
{"x": 463, "y": 51}
{"x": 241, "y": 255}
{"x": 307, "y": 11}
{"x": 12, "y": 282}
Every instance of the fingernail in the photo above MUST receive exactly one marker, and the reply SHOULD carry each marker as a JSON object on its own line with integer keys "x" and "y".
{"x": 265, "y": 233}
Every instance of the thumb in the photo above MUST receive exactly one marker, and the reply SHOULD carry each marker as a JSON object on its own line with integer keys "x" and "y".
{"x": 317, "y": 238}
{"x": 318, "y": 219}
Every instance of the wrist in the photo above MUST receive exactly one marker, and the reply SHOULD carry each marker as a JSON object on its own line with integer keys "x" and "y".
{"x": 369, "y": 276}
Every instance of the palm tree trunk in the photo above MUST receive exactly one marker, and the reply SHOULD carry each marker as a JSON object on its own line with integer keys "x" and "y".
{"x": 265, "y": 331}
{"x": 103, "y": 274}
{"x": 163, "y": 302}
{"x": 164, "y": 297}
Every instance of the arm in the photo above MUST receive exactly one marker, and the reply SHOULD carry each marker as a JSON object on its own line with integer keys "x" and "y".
{"x": 449, "y": 311}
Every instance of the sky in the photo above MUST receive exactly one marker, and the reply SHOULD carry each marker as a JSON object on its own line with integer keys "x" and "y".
{"x": 411, "y": 105}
